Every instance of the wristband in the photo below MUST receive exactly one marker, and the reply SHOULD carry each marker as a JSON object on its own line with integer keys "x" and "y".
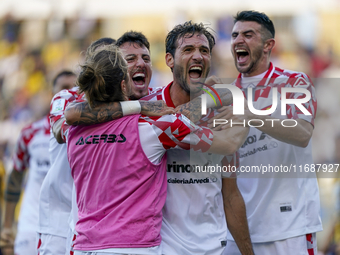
{"x": 130, "y": 107}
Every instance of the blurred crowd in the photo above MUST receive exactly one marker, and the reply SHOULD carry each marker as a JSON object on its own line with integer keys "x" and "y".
{"x": 34, "y": 51}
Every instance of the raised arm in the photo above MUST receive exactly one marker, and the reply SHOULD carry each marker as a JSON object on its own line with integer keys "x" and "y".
{"x": 298, "y": 127}
{"x": 193, "y": 109}
{"x": 79, "y": 113}
{"x": 177, "y": 131}
{"x": 299, "y": 135}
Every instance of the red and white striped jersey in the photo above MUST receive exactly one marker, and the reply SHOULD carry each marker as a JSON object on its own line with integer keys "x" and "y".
{"x": 174, "y": 132}
{"x": 280, "y": 204}
{"x": 31, "y": 152}
{"x": 60, "y": 101}
{"x": 279, "y": 78}
{"x": 193, "y": 215}
{"x": 153, "y": 89}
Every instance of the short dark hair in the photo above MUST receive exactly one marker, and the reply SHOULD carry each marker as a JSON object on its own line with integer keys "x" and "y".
{"x": 134, "y": 37}
{"x": 257, "y": 17}
{"x": 62, "y": 73}
{"x": 188, "y": 28}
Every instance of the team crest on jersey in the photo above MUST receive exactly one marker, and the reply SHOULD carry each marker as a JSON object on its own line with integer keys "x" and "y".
{"x": 301, "y": 83}
{"x": 58, "y": 105}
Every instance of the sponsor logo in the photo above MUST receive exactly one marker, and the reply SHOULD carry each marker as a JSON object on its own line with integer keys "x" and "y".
{"x": 252, "y": 139}
{"x": 271, "y": 144}
{"x": 43, "y": 163}
{"x": 189, "y": 181}
{"x": 181, "y": 168}
{"x": 287, "y": 208}
{"x": 104, "y": 138}
{"x": 58, "y": 105}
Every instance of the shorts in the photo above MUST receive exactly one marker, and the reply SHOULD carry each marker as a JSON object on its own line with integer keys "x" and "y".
{"x": 100, "y": 253}
{"x": 155, "y": 250}
{"x": 299, "y": 245}
{"x": 71, "y": 237}
{"x": 25, "y": 243}
{"x": 51, "y": 244}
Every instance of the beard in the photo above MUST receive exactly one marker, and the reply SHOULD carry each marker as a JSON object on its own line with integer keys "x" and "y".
{"x": 181, "y": 78}
{"x": 256, "y": 57}
{"x": 137, "y": 95}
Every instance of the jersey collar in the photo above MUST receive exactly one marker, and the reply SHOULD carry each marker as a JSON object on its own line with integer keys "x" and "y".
{"x": 166, "y": 96}
{"x": 265, "y": 80}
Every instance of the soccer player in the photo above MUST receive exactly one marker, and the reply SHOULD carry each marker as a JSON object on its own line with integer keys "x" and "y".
{"x": 118, "y": 167}
{"x": 31, "y": 152}
{"x": 198, "y": 205}
{"x": 283, "y": 213}
{"x": 55, "y": 203}
{"x": 56, "y": 190}
{"x": 136, "y": 50}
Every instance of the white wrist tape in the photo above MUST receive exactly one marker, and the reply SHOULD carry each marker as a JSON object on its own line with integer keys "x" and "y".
{"x": 130, "y": 107}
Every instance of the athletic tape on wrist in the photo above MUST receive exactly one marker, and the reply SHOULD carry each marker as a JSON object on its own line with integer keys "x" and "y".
{"x": 130, "y": 107}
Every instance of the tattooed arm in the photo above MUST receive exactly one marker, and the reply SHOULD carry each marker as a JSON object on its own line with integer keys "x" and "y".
{"x": 80, "y": 113}
{"x": 192, "y": 109}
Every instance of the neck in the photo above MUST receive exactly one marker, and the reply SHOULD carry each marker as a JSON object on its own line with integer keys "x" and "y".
{"x": 263, "y": 65}
{"x": 178, "y": 95}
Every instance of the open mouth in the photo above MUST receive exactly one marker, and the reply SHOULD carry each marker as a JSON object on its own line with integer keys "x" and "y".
{"x": 195, "y": 72}
{"x": 242, "y": 55}
{"x": 139, "y": 79}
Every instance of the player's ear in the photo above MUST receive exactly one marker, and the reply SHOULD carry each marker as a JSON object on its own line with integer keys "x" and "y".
{"x": 169, "y": 59}
{"x": 269, "y": 45}
{"x": 124, "y": 87}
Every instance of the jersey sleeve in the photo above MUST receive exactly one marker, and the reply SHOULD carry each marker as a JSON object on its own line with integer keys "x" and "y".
{"x": 177, "y": 131}
{"x": 58, "y": 106}
{"x": 21, "y": 155}
{"x": 59, "y": 103}
{"x": 300, "y": 80}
